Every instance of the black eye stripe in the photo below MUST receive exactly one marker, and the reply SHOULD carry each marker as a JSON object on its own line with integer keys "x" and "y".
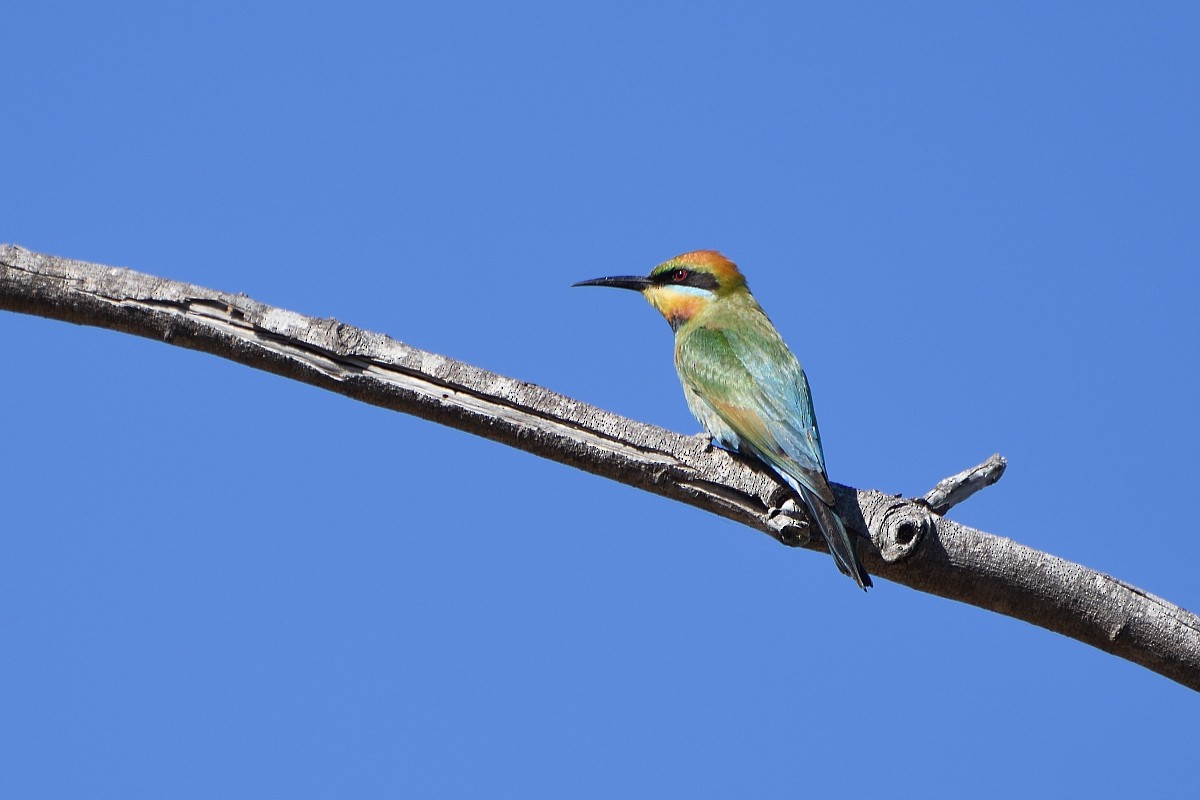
{"x": 700, "y": 280}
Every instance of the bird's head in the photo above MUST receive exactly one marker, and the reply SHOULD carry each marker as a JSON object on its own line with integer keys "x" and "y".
{"x": 684, "y": 286}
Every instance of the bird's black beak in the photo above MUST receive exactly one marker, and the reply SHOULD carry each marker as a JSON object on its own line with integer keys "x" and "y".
{"x": 634, "y": 282}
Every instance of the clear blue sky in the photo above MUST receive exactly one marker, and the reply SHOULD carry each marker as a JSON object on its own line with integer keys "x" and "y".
{"x": 978, "y": 224}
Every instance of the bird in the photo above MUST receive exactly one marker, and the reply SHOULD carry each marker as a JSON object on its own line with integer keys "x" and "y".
{"x": 743, "y": 383}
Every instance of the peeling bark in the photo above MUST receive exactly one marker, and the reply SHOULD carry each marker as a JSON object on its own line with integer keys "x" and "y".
{"x": 912, "y": 544}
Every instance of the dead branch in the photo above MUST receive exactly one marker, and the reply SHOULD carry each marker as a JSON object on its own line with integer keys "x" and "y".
{"x": 913, "y": 545}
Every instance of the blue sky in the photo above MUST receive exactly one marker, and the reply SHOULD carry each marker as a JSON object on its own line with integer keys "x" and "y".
{"x": 977, "y": 224}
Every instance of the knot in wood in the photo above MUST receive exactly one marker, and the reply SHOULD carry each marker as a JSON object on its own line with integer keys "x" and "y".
{"x": 789, "y": 524}
{"x": 897, "y": 526}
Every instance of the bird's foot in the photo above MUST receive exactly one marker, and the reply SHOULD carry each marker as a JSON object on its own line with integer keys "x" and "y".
{"x": 705, "y": 437}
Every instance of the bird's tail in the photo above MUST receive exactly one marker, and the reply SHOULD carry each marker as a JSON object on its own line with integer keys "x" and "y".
{"x": 841, "y": 546}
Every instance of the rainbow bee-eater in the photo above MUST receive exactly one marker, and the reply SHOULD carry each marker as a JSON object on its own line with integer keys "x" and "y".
{"x": 743, "y": 383}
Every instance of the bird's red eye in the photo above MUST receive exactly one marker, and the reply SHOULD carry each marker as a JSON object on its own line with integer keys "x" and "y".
{"x": 679, "y": 275}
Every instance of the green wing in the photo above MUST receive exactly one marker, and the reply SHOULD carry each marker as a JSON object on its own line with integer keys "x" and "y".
{"x": 755, "y": 385}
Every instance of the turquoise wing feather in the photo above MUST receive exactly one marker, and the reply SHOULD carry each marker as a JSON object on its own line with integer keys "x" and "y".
{"x": 755, "y": 385}
{"x": 749, "y": 391}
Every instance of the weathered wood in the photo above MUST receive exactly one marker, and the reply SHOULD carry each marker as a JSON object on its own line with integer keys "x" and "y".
{"x": 912, "y": 545}
{"x": 957, "y": 488}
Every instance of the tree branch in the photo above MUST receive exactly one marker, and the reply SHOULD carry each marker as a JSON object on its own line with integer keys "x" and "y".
{"x": 953, "y": 490}
{"x": 912, "y": 544}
